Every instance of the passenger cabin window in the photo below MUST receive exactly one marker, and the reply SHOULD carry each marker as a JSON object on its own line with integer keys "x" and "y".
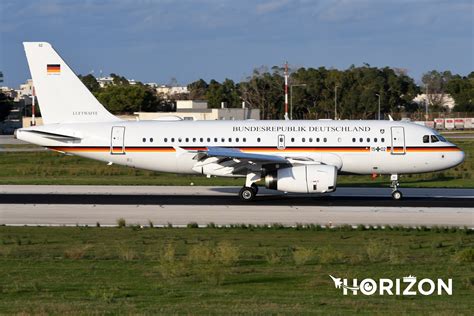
{"x": 151, "y": 140}
{"x": 382, "y": 140}
{"x": 426, "y": 139}
{"x": 144, "y": 139}
{"x": 258, "y": 140}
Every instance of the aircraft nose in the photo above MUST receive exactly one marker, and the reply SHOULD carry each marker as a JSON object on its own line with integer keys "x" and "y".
{"x": 458, "y": 157}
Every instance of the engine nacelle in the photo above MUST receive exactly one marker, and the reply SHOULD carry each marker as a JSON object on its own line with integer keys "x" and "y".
{"x": 303, "y": 179}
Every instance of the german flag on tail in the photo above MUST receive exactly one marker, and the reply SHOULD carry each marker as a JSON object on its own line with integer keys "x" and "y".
{"x": 53, "y": 69}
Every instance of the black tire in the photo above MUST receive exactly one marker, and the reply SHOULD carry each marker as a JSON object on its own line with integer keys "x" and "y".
{"x": 247, "y": 194}
{"x": 397, "y": 195}
{"x": 254, "y": 187}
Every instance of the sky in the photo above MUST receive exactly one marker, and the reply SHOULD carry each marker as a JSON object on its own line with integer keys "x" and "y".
{"x": 156, "y": 40}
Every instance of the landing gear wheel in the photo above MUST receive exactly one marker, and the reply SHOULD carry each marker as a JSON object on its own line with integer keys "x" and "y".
{"x": 247, "y": 194}
{"x": 397, "y": 195}
{"x": 254, "y": 187}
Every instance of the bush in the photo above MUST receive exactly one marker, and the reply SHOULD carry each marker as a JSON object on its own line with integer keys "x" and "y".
{"x": 376, "y": 251}
{"x": 200, "y": 253}
{"x": 192, "y": 225}
{"x": 127, "y": 254}
{"x": 273, "y": 257}
{"x": 121, "y": 222}
{"x": 328, "y": 255}
{"x": 76, "y": 253}
{"x": 302, "y": 255}
{"x": 464, "y": 256}
{"x": 226, "y": 253}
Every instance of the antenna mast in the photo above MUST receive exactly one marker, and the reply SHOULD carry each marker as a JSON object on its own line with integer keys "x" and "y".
{"x": 286, "y": 91}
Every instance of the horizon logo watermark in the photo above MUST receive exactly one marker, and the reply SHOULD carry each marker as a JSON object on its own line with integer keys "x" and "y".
{"x": 406, "y": 286}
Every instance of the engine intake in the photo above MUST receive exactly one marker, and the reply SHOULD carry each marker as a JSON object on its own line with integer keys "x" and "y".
{"x": 303, "y": 179}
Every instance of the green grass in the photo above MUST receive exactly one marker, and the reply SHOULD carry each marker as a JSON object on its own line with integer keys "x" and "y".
{"x": 54, "y": 168}
{"x": 79, "y": 270}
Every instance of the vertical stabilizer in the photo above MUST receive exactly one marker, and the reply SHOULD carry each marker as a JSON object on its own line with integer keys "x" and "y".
{"x": 61, "y": 94}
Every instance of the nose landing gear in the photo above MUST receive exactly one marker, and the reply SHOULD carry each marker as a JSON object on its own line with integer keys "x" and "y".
{"x": 396, "y": 194}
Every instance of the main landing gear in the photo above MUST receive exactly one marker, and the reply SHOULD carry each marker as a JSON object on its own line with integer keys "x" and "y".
{"x": 396, "y": 194}
{"x": 250, "y": 190}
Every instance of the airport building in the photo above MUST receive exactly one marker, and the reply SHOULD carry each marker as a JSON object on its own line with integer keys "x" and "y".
{"x": 198, "y": 110}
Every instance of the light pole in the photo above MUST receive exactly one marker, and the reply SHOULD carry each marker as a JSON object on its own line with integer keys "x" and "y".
{"x": 379, "y": 106}
{"x": 335, "y": 102}
{"x": 291, "y": 97}
{"x": 427, "y": 102}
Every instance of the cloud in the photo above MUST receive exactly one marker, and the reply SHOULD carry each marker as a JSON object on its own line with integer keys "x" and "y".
{"x": 270, "y": 6}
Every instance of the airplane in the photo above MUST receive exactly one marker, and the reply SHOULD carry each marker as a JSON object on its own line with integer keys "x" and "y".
{"x": 294, "y": 156}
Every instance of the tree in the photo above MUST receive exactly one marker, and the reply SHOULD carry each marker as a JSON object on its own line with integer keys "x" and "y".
{"x": 90, "y": 82}
{"x": 435, "y": 84}
{"x": 119, "y": 80}
{"x": 263, "y": 90}
{"x": 128, "y": 99}
{"x": 197, "y": 90}
{"x": 6, "y": 105}
{"x": 462, "y": 91}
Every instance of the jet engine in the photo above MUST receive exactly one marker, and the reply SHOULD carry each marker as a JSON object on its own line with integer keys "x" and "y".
{"x": 303, "y": 179}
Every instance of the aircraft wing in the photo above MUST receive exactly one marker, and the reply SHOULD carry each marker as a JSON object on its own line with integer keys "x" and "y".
{"x": 222, "y": 161}
{"x": 233, "y": 153}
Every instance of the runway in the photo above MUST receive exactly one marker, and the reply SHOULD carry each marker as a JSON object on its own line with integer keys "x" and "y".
{"x": 88, "y": 205}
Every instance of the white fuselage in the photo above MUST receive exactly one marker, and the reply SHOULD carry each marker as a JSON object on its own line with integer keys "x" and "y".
{"x": 358, "y": 147}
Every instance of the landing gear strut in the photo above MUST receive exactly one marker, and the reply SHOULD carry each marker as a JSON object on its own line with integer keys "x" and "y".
{"x": 250, "y": 190}
{"x": 396, "y": 194}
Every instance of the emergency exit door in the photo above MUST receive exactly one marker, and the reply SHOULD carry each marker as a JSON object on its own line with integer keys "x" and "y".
{"x": 398, "y": 140}
{"x": 281, "y": 142}
{"x": 117, "y": 140}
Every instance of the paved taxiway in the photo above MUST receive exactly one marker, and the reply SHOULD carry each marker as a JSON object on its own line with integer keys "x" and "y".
{"x": 71, "y": 205}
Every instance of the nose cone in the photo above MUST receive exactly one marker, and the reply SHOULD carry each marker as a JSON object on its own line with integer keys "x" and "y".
{"x": 458, "y": 158}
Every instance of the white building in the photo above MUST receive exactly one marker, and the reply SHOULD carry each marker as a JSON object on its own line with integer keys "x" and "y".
{"x": 105, "y": 81}
{"x": 169, "y": 91}
{"x": 197, "y": 110}
{"x": 444, "y": 99}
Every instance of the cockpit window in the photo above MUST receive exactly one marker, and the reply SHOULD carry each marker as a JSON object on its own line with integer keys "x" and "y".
{"x": 426, "y": 139}
{"x": 441, "y": 138}
{"x": 434, "y": 139}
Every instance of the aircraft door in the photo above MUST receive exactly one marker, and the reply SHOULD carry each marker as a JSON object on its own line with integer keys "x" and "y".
{"x": 117, "y": 140}
{"x": 398, "y": 141}
{"x": 281, "y": 142}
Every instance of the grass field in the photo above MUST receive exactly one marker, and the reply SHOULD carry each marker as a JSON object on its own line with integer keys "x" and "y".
{"x": 274, "y": 270}
{"x": 53, "y": 168}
